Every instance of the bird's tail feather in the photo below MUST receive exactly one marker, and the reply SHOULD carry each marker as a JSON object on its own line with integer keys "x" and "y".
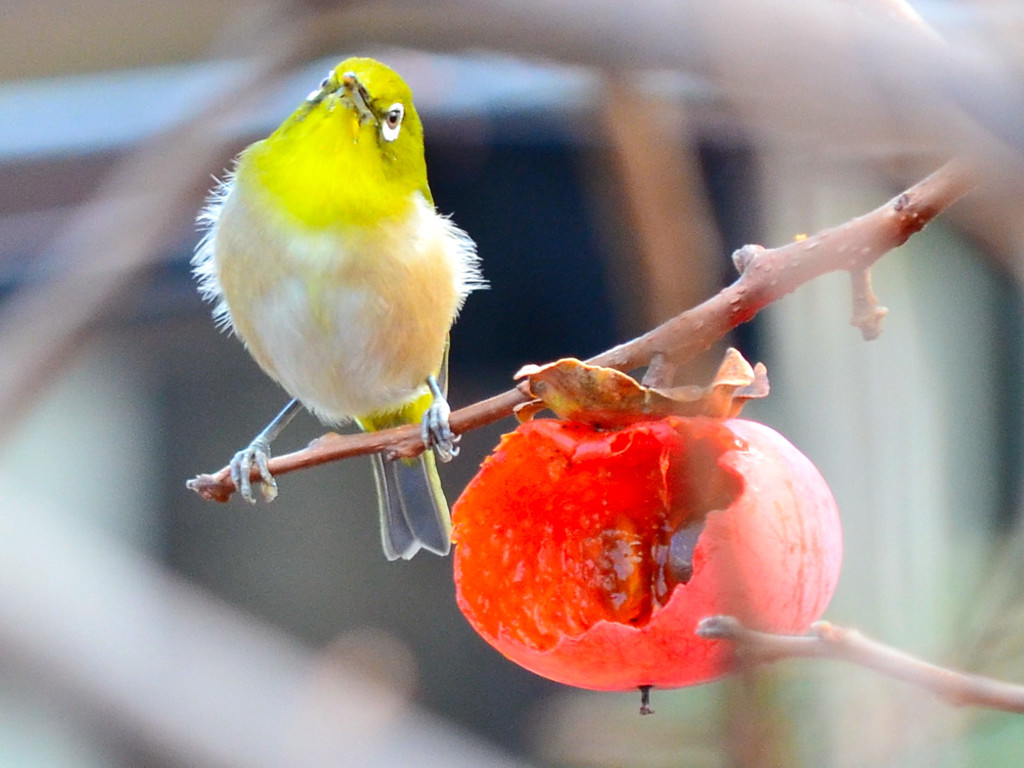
{"x": 413, "y": 511}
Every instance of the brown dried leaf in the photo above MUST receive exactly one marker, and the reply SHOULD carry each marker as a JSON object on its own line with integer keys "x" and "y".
{"x": 610, "y": 399}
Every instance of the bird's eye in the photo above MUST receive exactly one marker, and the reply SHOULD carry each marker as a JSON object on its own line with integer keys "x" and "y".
{"x": 392, "y": 122}
{"x": 319, "y": 92}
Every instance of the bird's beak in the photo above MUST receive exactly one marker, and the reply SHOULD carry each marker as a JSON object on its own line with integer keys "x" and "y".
{"x": 355, "y": 97}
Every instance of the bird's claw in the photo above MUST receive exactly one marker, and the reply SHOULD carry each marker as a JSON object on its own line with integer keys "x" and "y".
{"x": 257, "y": 454}
{"x": 437, "y": 432}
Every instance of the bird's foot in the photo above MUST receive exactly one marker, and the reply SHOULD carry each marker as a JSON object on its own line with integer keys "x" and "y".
{"x": 435, "y": 428}
{"x": 256, "y": 454}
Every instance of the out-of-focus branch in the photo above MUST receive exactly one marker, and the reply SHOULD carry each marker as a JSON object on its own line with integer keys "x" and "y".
{"x": 800, "y": 70}
{"x": 123, "y": 229}
{"x": 111, "y": 635}
{"x": 827, "y": 641}
{"x": 765, "y": 276}
{"x": 659, "y": 183}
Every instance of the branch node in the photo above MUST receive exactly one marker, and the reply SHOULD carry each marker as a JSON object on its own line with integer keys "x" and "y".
{"x": 719, "y": 628}
{"x": 743, "y": 258}
{"x": 828, "y": 632}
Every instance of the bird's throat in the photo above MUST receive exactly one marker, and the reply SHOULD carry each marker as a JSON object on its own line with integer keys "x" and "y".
{"x": 326, "y": 174}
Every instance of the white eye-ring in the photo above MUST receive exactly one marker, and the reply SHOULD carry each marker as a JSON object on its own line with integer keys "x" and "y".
{"x": 392, "y": 122}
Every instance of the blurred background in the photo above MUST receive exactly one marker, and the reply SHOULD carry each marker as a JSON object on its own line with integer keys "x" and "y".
{"x": 607, "y": 158}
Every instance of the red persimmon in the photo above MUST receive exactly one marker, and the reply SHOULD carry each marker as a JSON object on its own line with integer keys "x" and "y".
{"x": 589, "y": 556}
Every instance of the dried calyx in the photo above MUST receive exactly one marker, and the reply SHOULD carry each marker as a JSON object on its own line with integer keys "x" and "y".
{"x": 609, "y": 399}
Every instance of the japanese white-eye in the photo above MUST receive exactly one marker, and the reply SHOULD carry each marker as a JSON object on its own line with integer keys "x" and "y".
{"x": 325, "y": 254}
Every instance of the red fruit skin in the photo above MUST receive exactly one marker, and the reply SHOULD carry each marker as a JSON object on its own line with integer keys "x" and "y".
{"x": 771, "y": 558}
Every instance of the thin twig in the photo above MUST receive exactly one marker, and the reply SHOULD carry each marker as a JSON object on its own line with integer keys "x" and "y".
{"x": 828, "y": 641}
{"x": 868, "y": 314}
{"x": 766, "y": 275}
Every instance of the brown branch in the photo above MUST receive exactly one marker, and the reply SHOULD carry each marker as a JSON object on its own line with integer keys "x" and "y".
{"x": 766, "y": 275}
{"x": 827, "y": 641}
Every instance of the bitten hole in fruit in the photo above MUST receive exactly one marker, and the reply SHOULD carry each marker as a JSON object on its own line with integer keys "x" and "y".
{"x": 645, "y": 553}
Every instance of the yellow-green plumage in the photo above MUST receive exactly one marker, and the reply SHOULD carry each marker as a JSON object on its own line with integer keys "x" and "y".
{"x": 326, "y": 256}
{"x": 330, "y": 170}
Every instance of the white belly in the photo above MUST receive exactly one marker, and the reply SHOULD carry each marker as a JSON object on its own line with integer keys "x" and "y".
{"x": 349, "y": 323}
{"x": 330, "y": 358}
